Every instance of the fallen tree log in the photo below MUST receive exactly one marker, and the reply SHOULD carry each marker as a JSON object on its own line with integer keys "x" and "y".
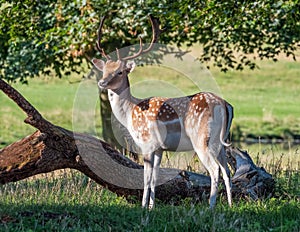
{"x": 52, "y": 148}
{"x": 249, "y": 180}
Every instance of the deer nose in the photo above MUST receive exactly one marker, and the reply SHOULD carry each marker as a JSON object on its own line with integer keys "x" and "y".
{"x": 102, "y": 83}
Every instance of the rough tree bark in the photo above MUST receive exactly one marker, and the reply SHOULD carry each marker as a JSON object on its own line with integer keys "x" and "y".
{"x": 52, "y": 147}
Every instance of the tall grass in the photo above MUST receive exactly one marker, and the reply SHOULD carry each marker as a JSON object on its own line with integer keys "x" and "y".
{"x": 69, "y": 201}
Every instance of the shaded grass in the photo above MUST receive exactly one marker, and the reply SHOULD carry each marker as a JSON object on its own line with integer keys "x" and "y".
{"x": 120, "y": 218}
{"x": 71, "y": 202}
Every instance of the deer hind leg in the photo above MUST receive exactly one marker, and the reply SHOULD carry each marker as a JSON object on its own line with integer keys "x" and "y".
{"x": 213, "y": 169}
{"x": 226, "y": 174}
{"x": 209, "y": 162}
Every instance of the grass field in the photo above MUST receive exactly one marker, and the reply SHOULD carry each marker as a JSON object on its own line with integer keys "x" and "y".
{"x": 266, "y": 103}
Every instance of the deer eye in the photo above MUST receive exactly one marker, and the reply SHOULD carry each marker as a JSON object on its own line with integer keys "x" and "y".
{"x": 120, "y": 73}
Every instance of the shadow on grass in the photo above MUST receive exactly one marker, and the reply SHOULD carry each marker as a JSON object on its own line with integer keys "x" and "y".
{"x": 274, "y": 214}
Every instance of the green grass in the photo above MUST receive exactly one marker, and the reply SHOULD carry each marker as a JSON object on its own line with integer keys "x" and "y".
{"x": 53, "y": 98}
{"x": 69, "y": 201}
{"x": 266, "y": 100}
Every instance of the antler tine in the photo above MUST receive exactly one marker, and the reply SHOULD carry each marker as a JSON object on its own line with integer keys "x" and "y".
{"x": 98, "y": 43}
{"x": 140, "y": 51}
{"x": 155, "y": 34}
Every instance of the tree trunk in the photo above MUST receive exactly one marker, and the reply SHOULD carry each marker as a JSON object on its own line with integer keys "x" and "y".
{"x": 52, "y": 148}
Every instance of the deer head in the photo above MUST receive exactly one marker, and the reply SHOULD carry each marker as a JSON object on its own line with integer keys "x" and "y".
{"x": 114, "y": 72}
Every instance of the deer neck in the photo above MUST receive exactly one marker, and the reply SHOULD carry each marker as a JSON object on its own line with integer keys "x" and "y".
{"x": 122, "y": 102}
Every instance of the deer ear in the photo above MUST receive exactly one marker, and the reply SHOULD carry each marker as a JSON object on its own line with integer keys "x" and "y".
{"x": 99, "y": 64}
{"x": 130, "y": 65}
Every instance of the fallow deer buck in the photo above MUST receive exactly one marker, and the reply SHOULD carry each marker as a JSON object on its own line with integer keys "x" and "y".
{"x": 199, "y": 122}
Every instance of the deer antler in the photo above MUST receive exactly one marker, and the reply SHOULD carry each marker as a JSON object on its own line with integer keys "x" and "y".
{"x": 155, "y": 34}
{"x": 98, "y": 43}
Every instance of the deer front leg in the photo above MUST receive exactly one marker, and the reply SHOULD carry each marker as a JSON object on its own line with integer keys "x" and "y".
{"x": 155, "y": 174}
{"x": 148, "y": 170}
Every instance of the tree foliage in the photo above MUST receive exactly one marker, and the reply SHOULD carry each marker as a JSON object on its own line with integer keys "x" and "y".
{"x": 40, "y": 36}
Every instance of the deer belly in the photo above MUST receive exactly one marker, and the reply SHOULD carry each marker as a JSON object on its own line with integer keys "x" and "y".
{"x": 167, "y": 135}
{"x": 172, "y": 136}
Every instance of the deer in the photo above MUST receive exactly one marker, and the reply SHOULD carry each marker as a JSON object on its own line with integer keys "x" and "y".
{"x": 199, "y": 122}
